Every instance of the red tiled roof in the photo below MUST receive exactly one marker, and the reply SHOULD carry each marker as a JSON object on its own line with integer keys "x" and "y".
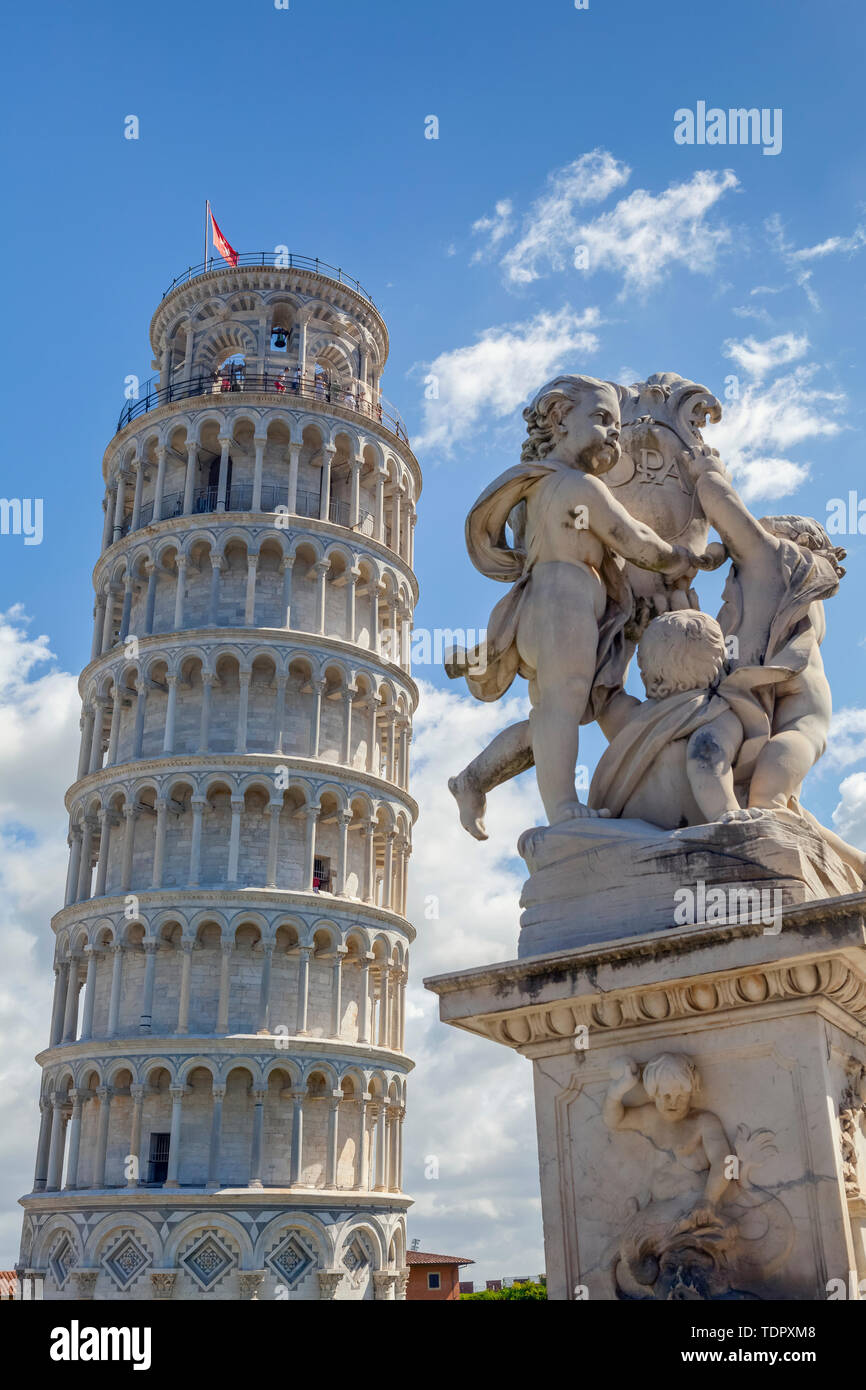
{"x": 423, "y": 1257}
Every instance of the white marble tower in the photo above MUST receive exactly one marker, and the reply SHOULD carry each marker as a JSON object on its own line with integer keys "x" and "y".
{"x": 223, "y": 1087}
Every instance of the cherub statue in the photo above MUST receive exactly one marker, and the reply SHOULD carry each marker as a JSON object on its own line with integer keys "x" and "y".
{"x": 562, "y": 624}
{"x": 701, "y": 1226}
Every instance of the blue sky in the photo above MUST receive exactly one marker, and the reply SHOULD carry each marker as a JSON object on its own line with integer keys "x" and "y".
{"x": 307, "y": 127}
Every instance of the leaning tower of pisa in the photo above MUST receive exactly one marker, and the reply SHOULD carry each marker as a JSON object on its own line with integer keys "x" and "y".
{"x": 224, "y": 1083}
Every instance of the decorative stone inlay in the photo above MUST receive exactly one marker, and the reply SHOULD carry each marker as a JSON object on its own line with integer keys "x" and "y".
{"x": 250, "y": 1281}
{"x": 162, "y": 1282}
{"x": 208, "y": 1260}
{"x": 126, "y": 1260}
{"x": 61, "y": 1259}
{"x": 291, "y": 1261}
{"x": 356, "y": 1259}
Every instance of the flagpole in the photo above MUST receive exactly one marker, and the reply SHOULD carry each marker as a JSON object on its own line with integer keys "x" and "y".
{"x": 206, "y": 216}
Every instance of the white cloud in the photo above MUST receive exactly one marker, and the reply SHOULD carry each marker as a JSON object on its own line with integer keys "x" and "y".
{"x": 495, "y": 374}
{"x": 747, "y": 311}
{"x": 470, "y": 1104}
{"x": 765, "y": 422}
{"x": 846, "y": 743}
{"x": 760, "y": 357}
{"x": 494, "y": 228}
{"x": 38, "y": 743}
{"x": 646, "y": 234}
{"x": 550, "y": 232}
{"x": 849, "y": 817}
{"x": 832, "y": 246}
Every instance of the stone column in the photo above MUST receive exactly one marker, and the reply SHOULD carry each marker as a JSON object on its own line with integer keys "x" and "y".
{"x": 108, "y": 629}
{"x": 140, "y": 710}
{"x": 77, "y": 1098}
{"x": 116, "y": 982}
{"x": 128, "y": 588}
{"x": 151, "y": 946}
{"x": 316, "y": 718}
{"x": 332, "y": 1150}
{"x": 150, "y": 600}
{"x": 207, "y": 680}
{"x": 186, "y": 947}
{"x": 85, "y": 871}
{"x": 328, "y": 452}
{"x": 70, "y": 1017}
{"x": 74, "y": 840}
{"x": 380, "y": 1112}
{"x": 355, "y": 501}
{"x": 159, "y": 842}
{"x": 379, "y": 524}
{"x": 89, "y": 992}
{"x": 344, "y": 820}
{"x": 104, "y": 1094}
{"x": 133, "y": 1178}
{"x": 320, "y": 569}
{"x": 368, "y": 831}
{"x": 177, "y": 1094}
{"x": 179, "y": 586}
{"x": 257, "y": 1145}
{"x": 311, "y": 814}
{"x": 222, "y": 485}
{"x": 57, "y": 1143}
{"x": 265, "y": 988}
{"x": 297, "y": 1155}
{"x": 364, "y": 1003}
{"x": 61, "y": 977}
{"x": 259, "y": 443}
{"x": 225, "y": 986}
{"x": 217, "y": 563}
{"x": 387, "y": 883}
{"x": 348, "y": 695}
{"x": 373, "y": 707}
{"x": 114, "y": 731}
{"x": 215, "y": 1137}
{"x": 250, "y": 600}
{"x": 304, "y": 953}
{"x": 170, "y": 714}
{"x": 383, "y": 1006}
{"x": 106, "y": 820}
{"x": 235, "y": 839}
{"x": 279, "y": 712}
{"x": 274, "y": 809}
{"x": 130, "y": 813}
{"x": 337, "y": 991}
{"x": 244, "y": 678}
{"x": 119, "y": 500}
{"x": 40, "y": 1175}
{"x": 294, "y": 455}
{"x": 286, "y": 569}
{"x": 98, "y": 623}
{"x": 198, "y": 804}
{"x": 189, "y": 479}
{"x": 159, "y": 487}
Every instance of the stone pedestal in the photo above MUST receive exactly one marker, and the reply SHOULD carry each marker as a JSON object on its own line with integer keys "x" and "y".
{"x": 766, "y": 1031}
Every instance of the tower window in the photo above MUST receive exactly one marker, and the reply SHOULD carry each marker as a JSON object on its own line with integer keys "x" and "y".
{"x": 321, "y": 874}
{"x": 157, "y": 1168}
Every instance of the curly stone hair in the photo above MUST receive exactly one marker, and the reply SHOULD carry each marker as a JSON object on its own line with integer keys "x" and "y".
{"x": 549, "y": 406}
{"x": 673, "y": 1068}
{"x": 806, "y": 531}
{"x": 681, "y": 650}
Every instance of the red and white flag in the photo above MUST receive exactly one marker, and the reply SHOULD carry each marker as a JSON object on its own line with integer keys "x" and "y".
{"x": 227, "y": 252}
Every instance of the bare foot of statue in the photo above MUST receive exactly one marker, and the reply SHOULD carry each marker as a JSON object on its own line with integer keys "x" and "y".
{"x": 471, "y": 801}
{"x": 575, "y": 810}
{"x": 747, "y": 813}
